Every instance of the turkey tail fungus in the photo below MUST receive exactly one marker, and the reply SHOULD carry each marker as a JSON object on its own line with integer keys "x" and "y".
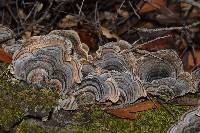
{"x": 110, "y": 77}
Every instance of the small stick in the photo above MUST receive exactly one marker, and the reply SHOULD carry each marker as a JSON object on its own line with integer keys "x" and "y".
{"x": 169, "y": 28}
{"x": 134, "y": 11}
{"x": 81, "y": 7}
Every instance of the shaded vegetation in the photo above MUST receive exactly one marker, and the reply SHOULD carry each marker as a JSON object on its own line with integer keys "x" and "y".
{"x": 17, "y": 100}
{"x": 151, "y": 121}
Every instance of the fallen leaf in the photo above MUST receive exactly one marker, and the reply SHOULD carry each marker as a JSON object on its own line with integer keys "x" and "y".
{"x": 5, "y": 57}
{"x": 68, "y": 22}
{"x": 155, "y": 4}
{"x": 108, "y": 34}
{"x": 26, "y": 35}
{"x": 189, "y": 63}
{"x": 159, "y": 43}
{"x": 129, "y": 112}
{"x": 89, "y": 39}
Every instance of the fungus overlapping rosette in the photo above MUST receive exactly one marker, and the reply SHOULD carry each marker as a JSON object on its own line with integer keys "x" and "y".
{"x": 56, "y": 60}
{"x": 7, "y": 41}
{"x": 47, "y": 60}
{"x": 196, "y": 79}
{"x": 158, "y": 65}
{"x": 111, "y": 58}
{"x": 162, "y": 74}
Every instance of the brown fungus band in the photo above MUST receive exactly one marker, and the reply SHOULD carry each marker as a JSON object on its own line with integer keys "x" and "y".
{"x": 44, "y": 60}
{"x": 196, "y": 79}
{"x": 158, "y": 65}
{"x": 109, "y": 58}
{"x": 6, "y": 40}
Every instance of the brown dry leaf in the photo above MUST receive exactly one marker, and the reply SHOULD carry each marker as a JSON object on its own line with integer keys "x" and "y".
{"x": 160, "y": 43}
{"x": 108, "y": 34}
{"x": 87, "y": 38}
{"x": 123, "y": 13}
{"x": 68, "y": 22}
{"x": 189, "y": 58}
{"x": 130, "y": 111}
{"x": 39, "y": 7}
{"x": 26, "y": 35}
{"x": 22, "y": 15}
{"x": 155, "y": 4}
{"x": 5, "y": 57}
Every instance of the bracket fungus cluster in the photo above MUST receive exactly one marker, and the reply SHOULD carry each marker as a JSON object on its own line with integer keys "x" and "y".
{"x": 7, "y": 41}
{"x": 163, "y": 75}
{"x": 112, "y": 76}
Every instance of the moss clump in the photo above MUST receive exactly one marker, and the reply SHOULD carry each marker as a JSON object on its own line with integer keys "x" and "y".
{"x": 151, "y": 121}
{"x": 31, "y": 126}
{"x": 16, "y": 100}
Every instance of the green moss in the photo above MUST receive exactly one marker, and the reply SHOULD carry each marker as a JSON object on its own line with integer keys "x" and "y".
{"x": 155, "y": 120}
{"x": 16, "y": 99}
{"x": 29, "y": 126}
{"x": 151, "y": 121}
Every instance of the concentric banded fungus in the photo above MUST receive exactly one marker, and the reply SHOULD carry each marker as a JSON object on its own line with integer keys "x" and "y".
{"x": 100, "y": 87}
{"x": 47, "y": 60}
{"x": 5, "y": 34}
{"x": 87, "y": 69}
{"x": 6, "y": 40}
{"x": 130, "y": 88}
{"x": 158, "y": 65}
{"x": 196, "y": 79}
{"x": 73, "y": 36}
{"x": 189, "y": 123}
{"x": 110, "y": 57}
{"x": 169, "y": 87}
{"x": 68, "y": 103}
{"x": 119, "y": 88}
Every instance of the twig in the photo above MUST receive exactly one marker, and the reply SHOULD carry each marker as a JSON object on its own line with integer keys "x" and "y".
{"x": 29, "y": 14}
{"x": 17, "y": 9}
{"x": 80, "y": 10}
{"x": 97, "y": 22}
{"x": 192, "y": 2}
{"x": 11, "y": 13}
{"x": 168, "y": 29}
{"x": 187, "y": 14}
{"x": 3, "y": 13}
{"x": 166, "y": 108}
{"x": 143, "y": 52}
{"x": 151, "y": 99}
{"x": 121, "y": 5}
{"x": 158, "y": 38}
{"x": 134, "y": 10}
{"x": 190, "y": 45}
{"x": 36, "y": 22}
{"x": 59, "y": 6}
